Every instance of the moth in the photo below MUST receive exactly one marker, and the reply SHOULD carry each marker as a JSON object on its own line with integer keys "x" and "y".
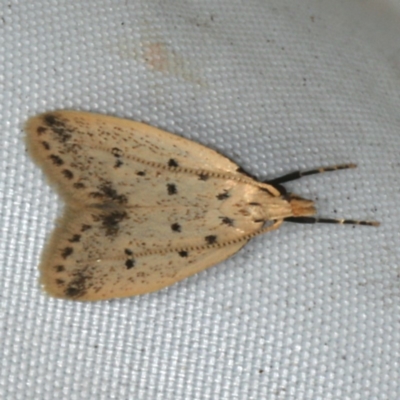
{"x": 146, "y": 208}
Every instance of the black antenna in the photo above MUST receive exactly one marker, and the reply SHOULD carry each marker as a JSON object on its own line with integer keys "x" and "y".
{"x": 299, "y": 174}
{"x": 313, "y": 220}
{"x": 316, "y": 220}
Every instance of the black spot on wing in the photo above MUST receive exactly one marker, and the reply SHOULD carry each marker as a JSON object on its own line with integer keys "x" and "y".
{"x": 171, "y": 187}
{"x": 79, "y": 185}
{"x": 66, "y": 252}
{"x": 222, "y": 196}
{"x": 116, "y": 152}
{"x": 110, "y": 221}
{"x": 41, "y": 129}
{"x": 74, "y": 239}
{"x": 176, "y": 227}
{"x": 141, "y": 173}
{"x": 183, "y": 253}
{"x": 118, "y": 163}
{"x": 129, "y": 263}
{"x": 227, "y": 221}
{"x": 56, "y": 160}
{"x": 45, "y": 145}
{"x": 77, "y": 287}
{"x": 74, "y": 290}
{"x": 50, "y": 120}
{"x": 58, "y": 126}
{"x": 203, "y": 176}
{"x": 106, "y": 192}
{"x": 173, "y": 163}
{"x": 85, "y": 227}
{"x": 67, "y": 173}
{"x": 210, "y": 239}
{"x": 59, "y": 268}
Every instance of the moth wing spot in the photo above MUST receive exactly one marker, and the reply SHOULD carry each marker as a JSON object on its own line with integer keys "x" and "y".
{"x": 68, "y": 174}
{"x": 203, "y": 176}
{"x": 118, "y": 164}
{"x": 58, "y": 127}
{"x": 173, "y": 163}
{"x": 66, "y": 252}
{"x": 73, "y": 292}
{"x": 110, "y": 221}
{"x": 56, "y": 160}
{"x": 79, "y": 185}
{"x": 176, "y": 227}
{"x": 74, "y": 239}
{"x": 50, "y": 119}
{"x": 227, "y": 221}
{"x": 222, "y": 196}
{"x": 85, "y": 227}
{"x": 211, "y": 239}
{"x": 116, "y": 152}
{"x": 77, "y": 287}
{"x": 171, "y": 188}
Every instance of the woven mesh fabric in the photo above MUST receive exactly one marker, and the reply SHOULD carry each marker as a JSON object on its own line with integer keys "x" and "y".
{"x": 305, "y": 312}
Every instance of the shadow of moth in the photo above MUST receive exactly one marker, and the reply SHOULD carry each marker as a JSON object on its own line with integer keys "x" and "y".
{"x": 146, "y": 208}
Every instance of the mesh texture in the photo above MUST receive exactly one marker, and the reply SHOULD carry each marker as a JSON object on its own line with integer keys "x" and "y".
{"x": 306, "y": 312}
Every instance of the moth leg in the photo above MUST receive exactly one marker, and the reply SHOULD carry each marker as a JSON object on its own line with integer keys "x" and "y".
{"x": 299, "y": 174}
{"x": 314, "y": 220}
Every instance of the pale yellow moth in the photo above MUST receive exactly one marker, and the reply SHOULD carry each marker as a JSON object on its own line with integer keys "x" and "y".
{"x": 146, "y": 208}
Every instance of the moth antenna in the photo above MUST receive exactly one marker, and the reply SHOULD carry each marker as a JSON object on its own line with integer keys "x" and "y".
{"x": 299, "y": 174}
{"x": 315, "y": 220}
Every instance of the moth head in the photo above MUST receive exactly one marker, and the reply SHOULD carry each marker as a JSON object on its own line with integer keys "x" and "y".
{"x": 301, "y": 207}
